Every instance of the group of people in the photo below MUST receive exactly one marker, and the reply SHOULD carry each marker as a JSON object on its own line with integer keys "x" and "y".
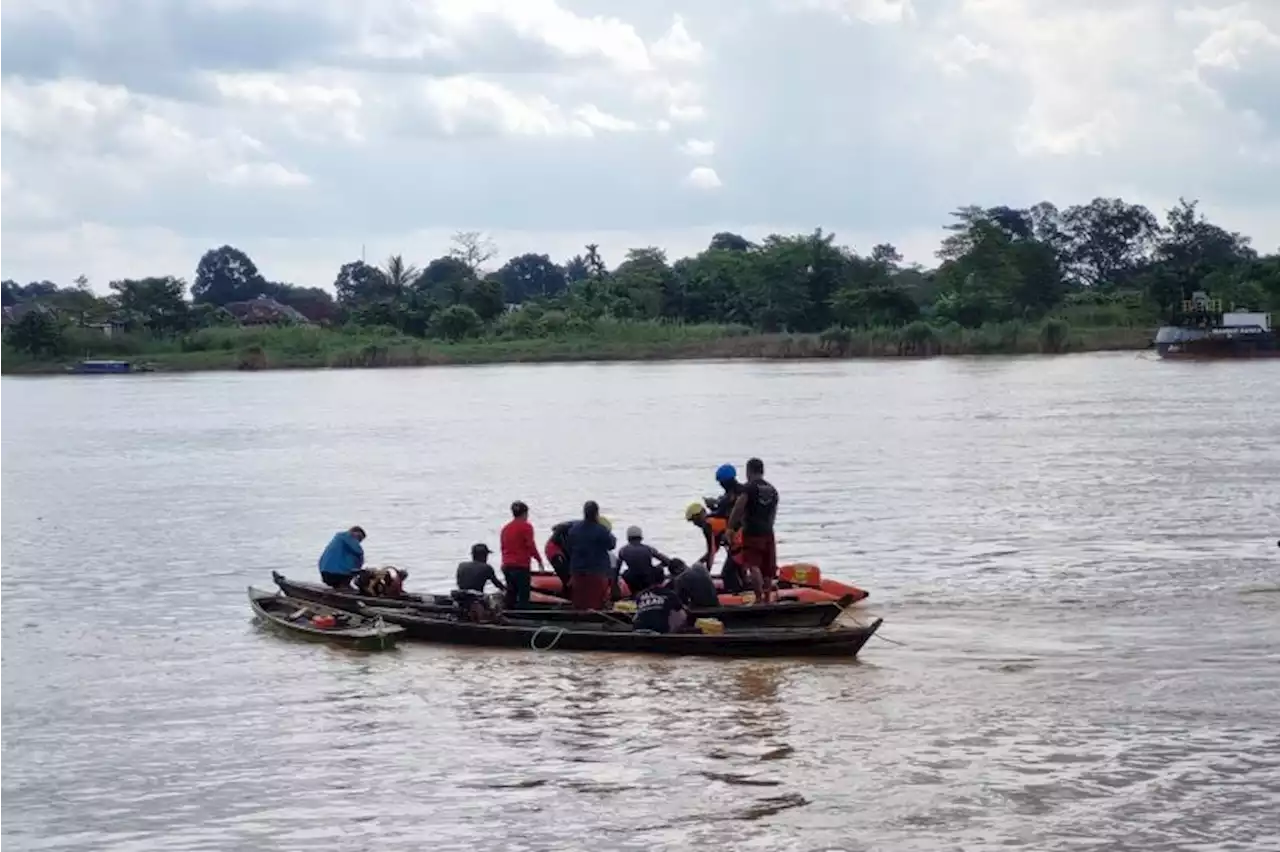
{"x": 585, "y": 555}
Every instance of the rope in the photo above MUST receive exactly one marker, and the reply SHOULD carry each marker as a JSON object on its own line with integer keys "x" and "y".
{"x": 611, "y": 615}
{"x": 533, "y": 640}
{"x": 876, "y": 635}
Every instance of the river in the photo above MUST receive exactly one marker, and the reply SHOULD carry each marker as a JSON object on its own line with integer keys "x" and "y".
{"x": 1075, "y": 558}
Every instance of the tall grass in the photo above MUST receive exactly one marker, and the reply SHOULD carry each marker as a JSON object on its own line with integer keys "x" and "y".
{"x": 552, "y": 337}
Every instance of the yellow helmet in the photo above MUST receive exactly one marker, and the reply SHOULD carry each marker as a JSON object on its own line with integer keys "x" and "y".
{"x": 606, "y": 523}
{"x": 692, "y": 511}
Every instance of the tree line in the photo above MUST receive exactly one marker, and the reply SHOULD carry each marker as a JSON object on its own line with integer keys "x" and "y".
{"x": 995, "y": 264}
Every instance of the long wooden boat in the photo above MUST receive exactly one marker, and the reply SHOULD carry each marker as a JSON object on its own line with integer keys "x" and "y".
{"x": 774, "y": 642}
{"x": 792, "y": 614}
{"x": 364, "y": 631}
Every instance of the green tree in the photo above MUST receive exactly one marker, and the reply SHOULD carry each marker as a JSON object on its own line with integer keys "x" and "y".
{"x": 79, "y": 303}
{"x": 457, "y": 322}
{"x": 1192, "y": 254}
{"x": 359, "y": 284}
{"x": 576, "y": 269}
{"x": 157, "y": 304}
{"x": 400, "y": 276}
{"x": 977, "y": 286}
{"x": 798, "y": 277}
{"x": 531, "y": 276}
{"x": 485, "y": 298}
{"x": 225, "y": 275}
{"x": 446, "y": 279}
{"x": 644, "y": 286}
{"x": 37, "y": 333}
{"x": 1108, "y": 241}
{"x": 711, "y": 287}
{"x": 870, "y": 295}
{"x": 726, "y": 241}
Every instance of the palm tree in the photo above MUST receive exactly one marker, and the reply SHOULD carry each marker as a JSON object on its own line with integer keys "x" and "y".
{"x": 400, "y": 275}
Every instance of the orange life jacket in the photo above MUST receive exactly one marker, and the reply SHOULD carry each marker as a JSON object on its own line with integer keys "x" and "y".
{"x": 718, "y": 527}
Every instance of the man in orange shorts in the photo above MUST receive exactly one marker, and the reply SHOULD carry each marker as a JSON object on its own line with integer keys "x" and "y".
{"x": 752, "y": 518}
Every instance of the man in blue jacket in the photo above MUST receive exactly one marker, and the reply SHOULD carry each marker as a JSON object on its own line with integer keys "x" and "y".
{"x": 342, "y": 558}
{"x": 591, "y": 545}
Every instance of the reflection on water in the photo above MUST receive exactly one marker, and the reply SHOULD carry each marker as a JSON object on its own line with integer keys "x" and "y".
{"x": 1075, "y": 556}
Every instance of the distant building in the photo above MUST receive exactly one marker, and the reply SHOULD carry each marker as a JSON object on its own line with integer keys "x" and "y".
{"x": 109, "y": 327}
{"x": 265, "y": 310}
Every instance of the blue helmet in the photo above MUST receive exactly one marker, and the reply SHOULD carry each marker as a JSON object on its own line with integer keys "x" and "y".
{"x": 725, "y": 472}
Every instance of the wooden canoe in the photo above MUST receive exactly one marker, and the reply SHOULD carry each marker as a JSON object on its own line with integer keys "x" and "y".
{"x": 822, "y": 642}
{"x": 292, "y": 616}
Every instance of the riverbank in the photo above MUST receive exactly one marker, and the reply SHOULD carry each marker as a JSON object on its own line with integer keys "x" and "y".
{"x": 315, "y": 348}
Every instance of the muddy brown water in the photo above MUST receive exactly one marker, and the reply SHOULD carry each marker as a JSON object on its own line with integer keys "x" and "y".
{"x": 1076, "y": 556}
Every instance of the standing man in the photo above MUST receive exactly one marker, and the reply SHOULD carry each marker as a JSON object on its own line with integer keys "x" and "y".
{"x": 591, "y": 545}
{"x": 727, "y": 479}
{"x": 519, "y": 551}
{"x": 343, "y": 556}
{"x": 557, "y": 550}
{"x": 752, "y": 518}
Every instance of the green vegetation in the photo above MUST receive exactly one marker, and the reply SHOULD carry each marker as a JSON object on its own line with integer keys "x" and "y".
{"x": 1093, "y": 276}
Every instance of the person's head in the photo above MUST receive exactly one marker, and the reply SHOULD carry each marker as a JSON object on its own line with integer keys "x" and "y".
{"x": 755, "y": 469}
{"x": 695, "y": 513}
{"x": 480, "y": 552}
{"x": 519, "y": 509}
{"x": 726, "y": 474}
{"x": 358, "y": 532}
{"x": 635, "y": 535}
{"x": 676, "y": 568}
{"x": 591, "y": 511}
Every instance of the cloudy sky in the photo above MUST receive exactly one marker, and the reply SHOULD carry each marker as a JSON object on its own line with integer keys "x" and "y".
{"x": 138, "y": 133}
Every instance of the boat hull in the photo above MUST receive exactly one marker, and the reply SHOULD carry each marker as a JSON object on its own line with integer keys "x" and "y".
{"x": 830, "y": 642}
{"x": 779, "y": 615}
{"x": 1176, "y": 343}
{"x": 272, "y": 610}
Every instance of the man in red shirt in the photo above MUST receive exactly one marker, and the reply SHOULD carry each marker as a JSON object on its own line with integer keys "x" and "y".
{"x": 519, "y": 550}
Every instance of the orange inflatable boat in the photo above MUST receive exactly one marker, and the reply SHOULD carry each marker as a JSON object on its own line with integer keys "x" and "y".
{"x": 800, "y": 581}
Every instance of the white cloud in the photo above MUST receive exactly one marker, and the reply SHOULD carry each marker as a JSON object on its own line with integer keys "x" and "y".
{"x": 700, "y": 148}
{"x": 464, "y": 105}
{"x": 677, "y": 45}
{"x": 136, "y": 134}
{"x": 260, "y": 174}
{"x": 703, "y": 177}
{"x": 594, "y": 117}
{"x": 25, "y": 204}
{"x": 455, "y": 28}
{"x": 864, "y": 11}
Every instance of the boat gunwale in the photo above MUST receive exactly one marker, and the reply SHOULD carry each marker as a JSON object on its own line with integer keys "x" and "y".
{"x": 419, "y": 604}
{"x": 365, "y": 631}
